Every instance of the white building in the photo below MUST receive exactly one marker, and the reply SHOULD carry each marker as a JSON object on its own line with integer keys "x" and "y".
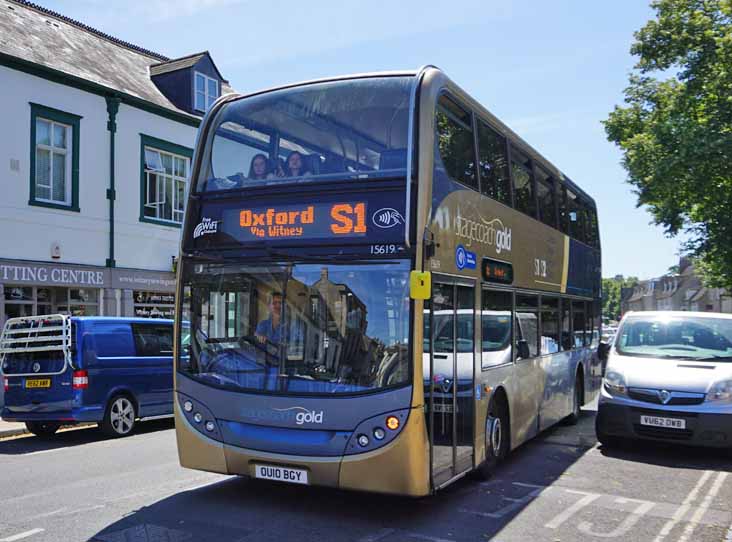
{"x": 95, "y": 150}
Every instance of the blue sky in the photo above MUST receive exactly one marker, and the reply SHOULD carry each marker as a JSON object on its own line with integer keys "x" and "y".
{"x": 550, "y": 70}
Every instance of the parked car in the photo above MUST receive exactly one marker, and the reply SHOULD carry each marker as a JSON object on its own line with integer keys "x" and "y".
{"x": 65, "y": 370}
{"x": 668, "y": 378}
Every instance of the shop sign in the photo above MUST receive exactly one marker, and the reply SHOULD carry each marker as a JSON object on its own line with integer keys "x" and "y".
{"x": 22, "y": 273}
{"x": 131, "y": 279}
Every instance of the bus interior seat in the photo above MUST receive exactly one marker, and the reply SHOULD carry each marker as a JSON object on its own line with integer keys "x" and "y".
{"x": 393, "y": 159}
{"x": 333, "y": 164}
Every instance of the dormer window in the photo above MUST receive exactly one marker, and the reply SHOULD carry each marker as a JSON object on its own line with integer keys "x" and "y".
{"x": 206, "y": 91}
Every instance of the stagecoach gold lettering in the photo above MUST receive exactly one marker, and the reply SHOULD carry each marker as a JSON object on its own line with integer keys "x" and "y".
{"x": 491, "y": 233}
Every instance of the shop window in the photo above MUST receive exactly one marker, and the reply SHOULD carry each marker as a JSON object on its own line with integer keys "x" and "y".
{"x": 154, "y": 304}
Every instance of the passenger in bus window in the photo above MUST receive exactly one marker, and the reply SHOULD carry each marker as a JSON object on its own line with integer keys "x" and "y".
{"x": 295, "y": 165}
{"x": 259, "y": 169}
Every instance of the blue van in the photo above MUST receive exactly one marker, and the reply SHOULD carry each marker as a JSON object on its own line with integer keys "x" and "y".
{"x": 60, "y": 370}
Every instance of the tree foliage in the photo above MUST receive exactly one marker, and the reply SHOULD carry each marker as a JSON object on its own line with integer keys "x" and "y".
{"x": 611, "y": 290}
{"x": 675, "y": 130}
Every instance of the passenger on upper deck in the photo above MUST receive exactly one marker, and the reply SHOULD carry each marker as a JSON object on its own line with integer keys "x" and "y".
{"x": 295, "y": 165}
{"x": 259, "y": 169}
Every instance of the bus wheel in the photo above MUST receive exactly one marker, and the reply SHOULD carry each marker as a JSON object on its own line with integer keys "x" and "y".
{"x": 119, "y": 419}
{"x": 496, "y": 438}
{"x": 577, "y": 401}
{"x": 42, "y": 429}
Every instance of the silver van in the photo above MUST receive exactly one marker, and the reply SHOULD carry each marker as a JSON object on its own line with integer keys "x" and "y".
{"x": 668, "y": 378}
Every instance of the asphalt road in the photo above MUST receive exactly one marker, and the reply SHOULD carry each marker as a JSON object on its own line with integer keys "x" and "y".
{"x": 560, "y": 487}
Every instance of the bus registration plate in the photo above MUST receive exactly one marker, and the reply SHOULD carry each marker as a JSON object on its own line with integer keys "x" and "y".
{"x": 281, "y": 474}
{"x": 38, "y": 383}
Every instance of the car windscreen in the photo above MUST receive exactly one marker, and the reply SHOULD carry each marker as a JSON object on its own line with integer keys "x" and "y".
{"x": 354, "y": 128}
{"x": 678, "y": 337}
{"x": 298, "y": 328}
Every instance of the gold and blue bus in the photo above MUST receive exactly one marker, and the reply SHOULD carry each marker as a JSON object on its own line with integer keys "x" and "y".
{"x": 387, "y": 288}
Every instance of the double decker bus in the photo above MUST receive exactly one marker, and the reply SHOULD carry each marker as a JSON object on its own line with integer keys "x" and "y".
{"x": 383, "y": 287}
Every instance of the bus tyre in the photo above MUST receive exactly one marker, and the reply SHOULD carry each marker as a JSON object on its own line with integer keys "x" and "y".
{"x": 42, "y": 429}
{"x": 119, "y": 419}
{"x": 496, "y": 439}
{"x": 578, "y": 398}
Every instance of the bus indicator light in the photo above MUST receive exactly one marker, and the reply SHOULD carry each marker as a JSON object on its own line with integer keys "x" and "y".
{"x": 392, "y": 422}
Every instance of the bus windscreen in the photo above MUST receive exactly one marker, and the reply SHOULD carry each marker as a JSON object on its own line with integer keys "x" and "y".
{"x": 298, "y": 328}
{"x": 354, "y": 128}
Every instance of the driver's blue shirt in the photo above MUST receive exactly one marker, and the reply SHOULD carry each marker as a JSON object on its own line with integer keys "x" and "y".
{"x": 266, "y": 329}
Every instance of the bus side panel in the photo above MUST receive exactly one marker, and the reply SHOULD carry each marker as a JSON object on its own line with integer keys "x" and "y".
{"x": 401, "y": 467}
{"x": 195, "y": 451}
{"x": 558, "y": 371}
{"x": 527, "y": 393}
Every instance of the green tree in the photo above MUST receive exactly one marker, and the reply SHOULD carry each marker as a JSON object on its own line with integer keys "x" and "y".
{"x": 676, "y": 128}
{"x": 611, "y": 291}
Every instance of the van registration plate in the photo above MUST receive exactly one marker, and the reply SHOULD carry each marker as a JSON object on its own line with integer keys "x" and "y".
{"x": 281, "y": 474}
{"x": 38, "y": 383}
{"x": 666, "y": 423}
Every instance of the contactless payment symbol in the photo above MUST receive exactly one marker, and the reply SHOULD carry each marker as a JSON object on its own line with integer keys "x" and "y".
{"x": 464, "y": 258}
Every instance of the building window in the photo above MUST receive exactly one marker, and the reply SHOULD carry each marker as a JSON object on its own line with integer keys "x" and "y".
{"x": 164, "y": 174}
{"x": 54, "y": 171}
{"x": 206, "y": 91}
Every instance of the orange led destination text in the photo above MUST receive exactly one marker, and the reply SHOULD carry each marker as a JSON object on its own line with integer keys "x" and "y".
{"x": 274, "y": 223}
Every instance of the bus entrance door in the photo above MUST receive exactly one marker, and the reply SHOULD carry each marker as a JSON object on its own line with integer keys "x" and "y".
{"x": 448, "y": 370}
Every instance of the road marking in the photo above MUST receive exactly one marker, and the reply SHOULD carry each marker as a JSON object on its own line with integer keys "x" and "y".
{"x": 684, "y": 508}
{"x": 635, "y": 516}
{"x": 21, "y": 536}
{"x": 699, "y": 514}
{"x": 517, "y": 504}
{"x": 572, "y": 510}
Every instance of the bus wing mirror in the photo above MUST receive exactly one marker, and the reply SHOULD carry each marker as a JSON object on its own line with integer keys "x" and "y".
{"x": 523, "y": 351}
{"x": 603, "y": 349}
{"x": 420, "y": 284}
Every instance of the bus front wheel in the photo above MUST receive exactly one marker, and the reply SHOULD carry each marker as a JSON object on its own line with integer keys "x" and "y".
{"x": 42, "y": 429}
{"x": 496, "y": 438}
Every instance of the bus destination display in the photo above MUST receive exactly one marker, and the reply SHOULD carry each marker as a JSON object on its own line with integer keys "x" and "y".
{"x": 373, "y": 218}
{"x": 497, "y": 271}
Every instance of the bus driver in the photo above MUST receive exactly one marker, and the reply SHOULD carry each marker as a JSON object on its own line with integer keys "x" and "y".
{"x": 270, "y": 329}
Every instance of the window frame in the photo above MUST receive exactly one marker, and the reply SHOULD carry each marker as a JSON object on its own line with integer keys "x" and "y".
{"x": 513, "y": 157}
{"x": 482, "y": 124}
{"x": 167, "y": 147}
{"x": 206, "y": 95}
{"x": 547, "y": 180}
{"x": 73, "y": 123}
{"x": 470, "y": 126}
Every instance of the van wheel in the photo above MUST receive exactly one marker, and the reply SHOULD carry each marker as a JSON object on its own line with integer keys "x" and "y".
{"x": 119, "y": 420}
{"x": 577, "y": 400}
{"x": 496, "y": 439}
{"x": 42, "y": 429}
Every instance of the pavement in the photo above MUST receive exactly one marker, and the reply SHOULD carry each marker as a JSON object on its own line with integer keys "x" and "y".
{"x": 81, "y": 486}
{"x": 11, "y": 429}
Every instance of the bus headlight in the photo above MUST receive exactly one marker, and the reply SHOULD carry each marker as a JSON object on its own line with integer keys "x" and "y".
{"x": 614, "y": 384}
{"x": 721, "y": 392}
